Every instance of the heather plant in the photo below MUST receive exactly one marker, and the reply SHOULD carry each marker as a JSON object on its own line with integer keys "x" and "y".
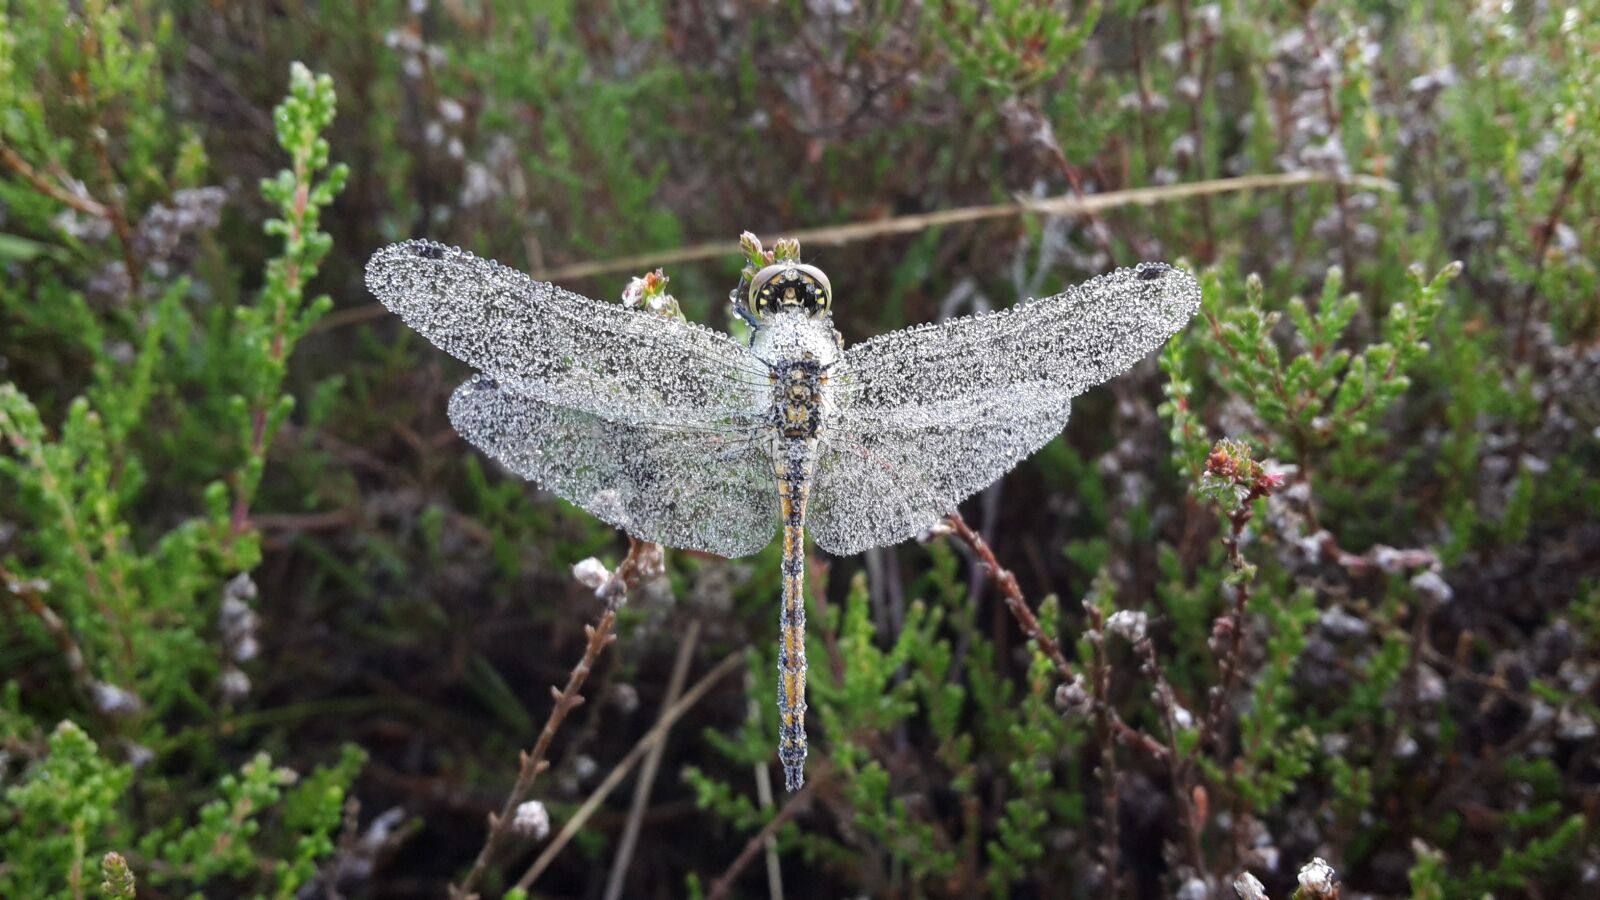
{"x": 131, "y": 623}
{"x": 1309, "y": 604}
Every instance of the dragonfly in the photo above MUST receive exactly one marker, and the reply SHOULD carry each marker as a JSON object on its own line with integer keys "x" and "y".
{"x": 681, "y": 435}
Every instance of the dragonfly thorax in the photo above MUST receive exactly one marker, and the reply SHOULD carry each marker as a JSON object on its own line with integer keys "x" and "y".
{"x": 794, "y": 335}
{"x": 797, "y": 398}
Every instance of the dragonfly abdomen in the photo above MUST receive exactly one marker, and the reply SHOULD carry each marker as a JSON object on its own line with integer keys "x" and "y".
{"x": 793, "y": 461}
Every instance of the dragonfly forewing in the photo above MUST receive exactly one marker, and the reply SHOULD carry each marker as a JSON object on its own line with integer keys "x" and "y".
{"x": 625, "y": 365}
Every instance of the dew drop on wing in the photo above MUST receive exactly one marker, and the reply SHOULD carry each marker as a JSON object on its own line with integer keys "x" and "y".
{"x": 430, "y": 251}
{"x": 1151, "y": 273}
{"x": 485, "y": 382}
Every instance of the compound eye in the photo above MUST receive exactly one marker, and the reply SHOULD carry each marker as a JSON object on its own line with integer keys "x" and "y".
{"x": 790, "y": 287}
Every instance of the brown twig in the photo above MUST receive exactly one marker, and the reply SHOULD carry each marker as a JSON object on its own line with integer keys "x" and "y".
{"x": 1330, "y": 101}
{"x": 837, "y": 235}
{"x": 1110, "y": 781}
{"x": 1056, "y": 206}
{"x": 115, "y": 213}
{"x": 79, "y": 202}
{"x": 1196, "y": 109}
{"x": 1257, "y": 484}
{"x": 114, "y": 210}
{"x": 652, "y": 764}
{"x": 643, "y": 559}
{"x": 764, "y": 799}
{"x": 655, "y": 736}
{"x": 1011, "y": 593}
{"x": 1541, "y": 245}
{"x": 792, "y": 807}
{"x": 1180, "y": 766}
{"x": 71, "y": 653}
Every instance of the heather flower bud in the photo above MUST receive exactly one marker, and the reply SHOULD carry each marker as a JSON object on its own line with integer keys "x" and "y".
{"x": 1129, "y": 624}
{"x": 1249, "y": 887}
{"x": 1318, "y": 881}
{"x": 1072, "y": 698}
{"x": 591, "y": 573}
{"x": 531, "y": 820}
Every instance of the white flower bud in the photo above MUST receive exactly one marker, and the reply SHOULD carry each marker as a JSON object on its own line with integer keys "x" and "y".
{"x": 591, "y": 573}
{"x": 1249, "y": 887}
{"x": 1318, "y": 881}
{"x": 1129, "y": 624}
{"x": 531, "y": 820}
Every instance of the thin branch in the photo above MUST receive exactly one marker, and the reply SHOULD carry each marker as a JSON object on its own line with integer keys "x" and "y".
{"x": 1541, "y": 245}
{"x": 80, "y": 202}
{"x": 1224, "y": 463}
{"x": 71, "y": 653}
{"x": 1018, "y": 606}
{"x": 797, "y": 802}
{"x": 1228, "y": 661}
{"x": 652, "y": 764}
{"x": 114, "y": 209}
{"x": 764, "y": 800}
{"x": 837, "y": 235}
{"x": 654, "y": 736}
{"x": 1178, "y": 766}
{"x": 1055, "y": 206}
{"x": 644, "y": 559}
{"x": 1110, "y": 780}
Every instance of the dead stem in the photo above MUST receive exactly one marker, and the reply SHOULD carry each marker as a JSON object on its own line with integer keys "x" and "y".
{"x": 1196, "y": 109}
{"x": 1055, "y": 206}
{"x": 71, "y": 653}
{"x": 655, "y": 736}
{"x": 1541, "y": 245}
{"x": 652, "y": 763}
{"x": 764, "y": 800}
{"x": 792, "y": 807}
{"x": 643, "y": 559}
{"x": 836, "y": 235}
{"x": 78, "y": 202}
{"x": 1018, "y": 606}
{"x": 1228, "y": 663}
{"x": 1178, "y": 765}
{"x": 1330, "y": 100}
{"x": 1109, "y": 778}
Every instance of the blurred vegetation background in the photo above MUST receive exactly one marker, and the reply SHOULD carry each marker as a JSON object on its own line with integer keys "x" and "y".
{"x": 271, "y": 628}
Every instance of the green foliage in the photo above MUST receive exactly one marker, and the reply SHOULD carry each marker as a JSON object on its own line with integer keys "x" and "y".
{"x": 116, "y": 879}
{"x": 73, "y": 804}
{"x": 1540, "y": 856}
{"x": 1275, "y": 755}
{"x": 911, "y": 683}
{"x": 58, "y": 815}
{"x": 135, "y": 605}
{"x": 267, "y": 331}
{"x": 1013, "y": 45}
{"x": 1427, "y": 876}
{"x": 219, "y": 842}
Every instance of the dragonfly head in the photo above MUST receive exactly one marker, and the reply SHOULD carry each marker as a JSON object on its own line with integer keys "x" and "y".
{"x": 790, "y": 286}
